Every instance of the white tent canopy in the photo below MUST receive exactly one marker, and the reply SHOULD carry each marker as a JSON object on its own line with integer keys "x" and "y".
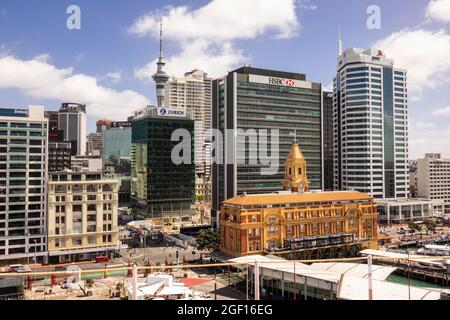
{"x": 174, "y": 290}
{"x": 357, "y": 270}
{"x": 354, "y": 288}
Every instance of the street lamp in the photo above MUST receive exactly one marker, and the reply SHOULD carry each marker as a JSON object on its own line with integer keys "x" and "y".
{"x": 28, "y": 248}
{"x": 35, "y": 256}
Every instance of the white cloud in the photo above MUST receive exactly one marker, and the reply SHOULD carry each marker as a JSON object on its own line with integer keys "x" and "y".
{"x": 214, "y": 59}
{"x": 307, "y": 5}
{"x": 114, "y": 77}
{"x": 425, "y": 54}
{"x": 45, "y": 58}
{"x": 438, "y": 10}
{"x": 206, "y": 37}
{"x": 41, "y": 80}
{"x": 4, "y": 50}
{"x": 428, "y": 137}
{"x": 445, "y": 111}
{"x": 222, "y": 20}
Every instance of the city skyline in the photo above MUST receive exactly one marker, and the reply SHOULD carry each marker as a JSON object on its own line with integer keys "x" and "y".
{"x": 73, "y": 66}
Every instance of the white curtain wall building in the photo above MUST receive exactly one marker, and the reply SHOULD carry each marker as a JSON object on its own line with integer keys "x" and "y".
{"x": 370, "y": 133}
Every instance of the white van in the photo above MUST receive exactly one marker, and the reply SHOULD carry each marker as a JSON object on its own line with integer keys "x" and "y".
{"x": 19, "y": 268}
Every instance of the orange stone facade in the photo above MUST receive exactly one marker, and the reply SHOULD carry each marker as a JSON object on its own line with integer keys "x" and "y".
{"x": 254, "y": 224}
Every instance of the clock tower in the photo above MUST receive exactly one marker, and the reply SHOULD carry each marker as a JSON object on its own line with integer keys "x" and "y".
{"x": 295, "y": 178}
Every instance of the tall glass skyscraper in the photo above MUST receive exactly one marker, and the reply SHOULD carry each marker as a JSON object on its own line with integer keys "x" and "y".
{"x": 116, "y": 155}
{"x": 161, "y": 187}
{"x": 370, "y": 133}
{"x": 256, "y": 100}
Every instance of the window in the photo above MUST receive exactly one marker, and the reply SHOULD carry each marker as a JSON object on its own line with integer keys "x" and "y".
{"x": 77, "y": 241}
{"x": 272, "y": 230}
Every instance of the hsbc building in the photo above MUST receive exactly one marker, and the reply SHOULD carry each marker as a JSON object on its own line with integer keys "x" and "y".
{"x": 258, "y": 99}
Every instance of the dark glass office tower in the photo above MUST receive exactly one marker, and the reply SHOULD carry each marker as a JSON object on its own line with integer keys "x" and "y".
{"x": 327, "y": 121}
{"x": 72, "y": 120}
{"x": 59, "y": 150}
{"x": 250, "y": 99}
{"x": 159, "y": 186}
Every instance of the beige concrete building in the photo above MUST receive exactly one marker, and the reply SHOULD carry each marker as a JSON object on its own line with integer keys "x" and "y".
{"x": 433, "y": 179}
{"x": 82, "y": 216}
{"x": 193, "y": 93}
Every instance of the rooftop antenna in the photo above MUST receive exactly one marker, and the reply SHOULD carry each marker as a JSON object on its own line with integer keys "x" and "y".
{"x": 161, "y": 38}
{"x": 340, "y": 42}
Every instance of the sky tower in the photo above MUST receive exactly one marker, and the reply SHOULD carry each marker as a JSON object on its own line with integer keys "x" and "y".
{"x": 160, "y": 77}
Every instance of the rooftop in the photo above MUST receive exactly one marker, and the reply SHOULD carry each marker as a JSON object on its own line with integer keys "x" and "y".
{"x": 286, "y": 198}
{"x": 270, "y": 73}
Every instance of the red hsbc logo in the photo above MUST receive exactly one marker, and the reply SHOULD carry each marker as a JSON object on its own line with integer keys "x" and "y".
{"x": 282, "y": 82}
{"x": 289, "y": 82}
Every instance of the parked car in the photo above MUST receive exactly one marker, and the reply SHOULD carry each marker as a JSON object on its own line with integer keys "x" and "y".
{"x": 19, "y": 268}
{"x": 101, "y": 259}
{"x": 60, "y": 268}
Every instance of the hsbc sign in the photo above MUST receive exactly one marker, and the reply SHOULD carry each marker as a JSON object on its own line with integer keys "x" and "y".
{"x": 280, "y": 81}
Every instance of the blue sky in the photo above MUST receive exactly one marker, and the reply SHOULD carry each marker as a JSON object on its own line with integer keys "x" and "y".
{"x": 106, "y": 64}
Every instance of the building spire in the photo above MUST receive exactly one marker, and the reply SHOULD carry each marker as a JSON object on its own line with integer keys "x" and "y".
{"x": 161, "y": 40}
{"x": 340, "y": 42}
{"x": 160, "y": 77}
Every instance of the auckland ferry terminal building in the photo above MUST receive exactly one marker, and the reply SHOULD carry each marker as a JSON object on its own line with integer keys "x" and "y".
{"x": 297, "y": 223}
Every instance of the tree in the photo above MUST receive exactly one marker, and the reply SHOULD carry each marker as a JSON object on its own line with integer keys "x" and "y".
{"x": 208, "y": 240}
{"x": 430, "y": 224}
{"x": 414, "y": 226}
{"x": 89, "y": 283}
{"x": 201, "y": 198}
{"x": 119, "y": 288}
